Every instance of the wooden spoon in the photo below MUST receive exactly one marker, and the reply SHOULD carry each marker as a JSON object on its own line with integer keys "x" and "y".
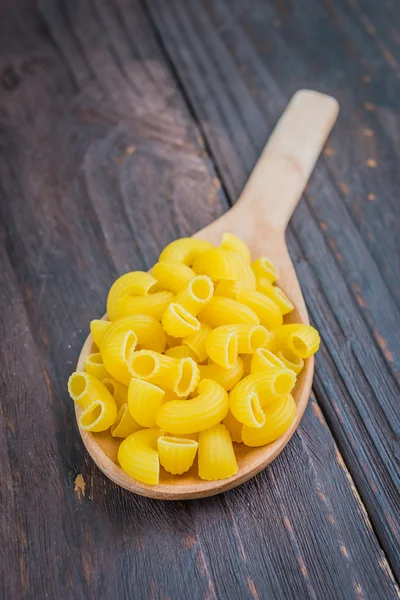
{"x": 260, "y": 218}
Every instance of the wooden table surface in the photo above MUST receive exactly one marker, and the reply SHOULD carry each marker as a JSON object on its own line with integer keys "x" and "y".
{"x": 123, "y": 125}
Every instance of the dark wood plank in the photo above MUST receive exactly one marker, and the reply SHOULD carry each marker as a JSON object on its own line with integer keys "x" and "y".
{"x": 260, "y": 53}
{"x": 101, "y": 166}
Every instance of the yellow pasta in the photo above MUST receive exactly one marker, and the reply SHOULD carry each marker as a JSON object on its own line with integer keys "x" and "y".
{"x": 235, "y": 244}
{"x": 196, "y": 295}
{"x": 136, "y": 283}
{"x": 228, "y": 378}
{"x": 176, "y": 454}
{"x": 118, "y": 390}
{"x": 246, "y": 360}
{"x": 99, "y": 408}
{"x": 197, "y": 342}
{"x": 278, "y": 418}
{"x": 225, "y": 311}
{"x": 263, "y": 285}
{"x": 279, "y": 297}
{"x": 257, "y": 389}
{"x": 98, "y": 327}
{"x": 180, "y": 375}
{"x": 138, "y": 455}
{"x": 216, "y": 455}
{"x": 94, "y": 365}
{"x": 172, "y": 275}
{"x": 185, "y": 250}
{"x": 220, "y": 265}
{"x": 234, "y": 427}
{"x": 188, "y": 416}
{"x": 264, "y": 359}
{"x": 153, "y": 305}
{"x": 266, "y": 310}
{"x": 124, "y": 424}
{"x": 181, "y": 352}
{"x": 172, "y": 342}
{"x": 302, "y": 339}
{"x": 224, "y": 343}
{"x": 149, "y": 332}
{"x": 178, "y": 322}
{"x": 144, "y": 400}
{"x": 115, "y": 350}
{"x": 263, "y": 267}
{"x": 291, "y": 360}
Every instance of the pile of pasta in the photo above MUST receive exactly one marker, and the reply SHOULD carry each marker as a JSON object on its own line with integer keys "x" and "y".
{"x": 193, "y": 357}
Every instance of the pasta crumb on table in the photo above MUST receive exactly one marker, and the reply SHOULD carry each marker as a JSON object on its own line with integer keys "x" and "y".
{"x": 193, "y": 357}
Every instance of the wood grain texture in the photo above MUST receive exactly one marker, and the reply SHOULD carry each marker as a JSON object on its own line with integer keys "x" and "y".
{"x": 101, "y": 165}
{"x": 344, "y": 232}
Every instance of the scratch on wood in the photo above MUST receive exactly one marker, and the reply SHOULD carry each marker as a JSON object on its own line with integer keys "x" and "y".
{"x": 318, "y": 413}
{"x": 331, "y": 519}
{"x": 190, "y": 541}
{"x": 303, "y": 567}
{"x": 323, "y": 225}
{"x": 383, "y": 346}
{"x": 328, "y": 151}
{"x": 336, "y": 252}
{"x": 322, "y": 497}
{"x": 287, "y": 525}
{"x": 48, "y": 385}
{"x": 130, "y": 149}
{"x": 343, "y": 188}
{"x": 253, "y": 589}
{"x": 359, "y": 298}
{"x": 371, "y": 197}
{"x": 369, "y": 106}
{"x": 343, "y": 550}
{"x": 371, "y": 163}
{"x": 353, "y": 488}
{"x": 383, "y": 563}
{"x": 358, "y": 590}
{"x": 369, "y": 132}
{"x": 80, "y": 485}
{"x": 23, "y": 573}
{"x": 366, "y": 79}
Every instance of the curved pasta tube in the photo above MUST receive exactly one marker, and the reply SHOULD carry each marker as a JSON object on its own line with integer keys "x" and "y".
{"x": 196, "y": 295}
{"x": 180, "y": 375}
{"x": 115, "y": 350}
{"x": 267, "y": 311}
{"x": 291, "y": 360}
{"x": 94, "y": 365}
{"x": 150, "y": 333}
{"x": 254, "y": 391}
{"x": 98, "y": 327}
{"x": 220, "y": 264}
{"x": 228, "y": 378}
{"x": 118, "y": 390}
{"x": 224, "y": 343}
{"x": 185, "y": 250}
{"x": 153, "y": 305}
{"x": 99, "y": 408}
{"x": 188, "y": 416}
{"x": 197, "y": 341}
{"x": 235, "y": 244}
{"x": 216, "y": 455}
{"x": 181, "y": 352}
{"x": 263, "y": 267}
{"x": 263, "y": 285}
{"x": 124, "y": 424}
{"x": 301, "y": 339}
{"x": 176, "y": 454}
{"x": 234, "y": 427}
{"x": 144, "y": 400}
{"x": 178, "y": 322}
{"x": 278, "y": 418}
{"x": 172, "y": 342}
{"x": 138, "y": 455}
{"x": 135, "y": 283}
{"x": 172, "y": 275}
{"x": 225, "y": 311}
{"x": 264, "y": 359}
{"x": 279, "y": 297}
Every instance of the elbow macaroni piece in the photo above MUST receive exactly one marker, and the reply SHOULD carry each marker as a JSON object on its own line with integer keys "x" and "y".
{"x": 116, "y": 349}
{"x": 196, "y": 295}
{"x": 228, "y": 378}
{"x": 225, "y": 311}
{"x": 189, "y": 416}
{"x": 278, "y": 418}
{"x": 263, "y": 267}
{"x": 216, "y": 455}
{"x": 150, "y": 333}
{"x": 172, "y": 275}
{"x": 144, "y": 400}
{"x": 176, "y": 454}
{"x": 264, "y": 359}
{"x": 94, "y": 365}
{"x": 267, "y": 311}
{"x": 301, "y": 339}
{"x": 178, "y": 322}
{"x": 124, "y": 424}
{"x": 235, "y": 244}
{"x": 118, "y": 390}
{"x": 181, "y": 352}
{"x": 153, "y": 305}
{"x": 234, "y": 427}
{"x": 185, "y": 250}
{"x": 224, "y": 265}
{"x": 278, "y": 296}
{"x": 136, "y": 283}
{"x": 99, "y": 408}
{"x": 224, "y": 343}
{"x": 291, "y": 360}
{"x": 98, "y": 327}
{"x": 197, "y": 342}
{"x": 138, "y": 455}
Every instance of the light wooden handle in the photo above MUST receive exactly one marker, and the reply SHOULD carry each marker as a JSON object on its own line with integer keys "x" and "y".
{"x": 283, "y": 169}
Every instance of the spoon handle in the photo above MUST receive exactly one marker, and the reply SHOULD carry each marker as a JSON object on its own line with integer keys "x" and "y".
{"x": 283, "y": 169}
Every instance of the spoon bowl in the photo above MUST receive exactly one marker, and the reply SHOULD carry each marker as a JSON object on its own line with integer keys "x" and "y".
{"x": 259, "y": 218}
